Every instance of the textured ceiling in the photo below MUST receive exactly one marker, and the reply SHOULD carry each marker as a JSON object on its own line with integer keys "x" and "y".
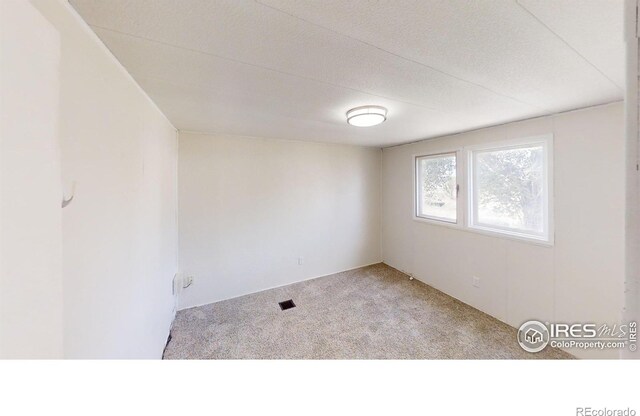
{"x": 292, "y": 68}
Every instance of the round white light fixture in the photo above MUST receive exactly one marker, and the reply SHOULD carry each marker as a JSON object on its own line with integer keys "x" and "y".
{"x": 366, "y": 116}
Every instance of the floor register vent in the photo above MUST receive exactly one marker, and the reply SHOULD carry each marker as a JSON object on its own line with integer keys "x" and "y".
{"x": 287, "y": 304}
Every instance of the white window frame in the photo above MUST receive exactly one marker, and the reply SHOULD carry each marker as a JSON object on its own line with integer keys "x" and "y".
{"x": 464, "y": 179}
{"x": 546, "y": 141}
{"x": 417, "y": 194}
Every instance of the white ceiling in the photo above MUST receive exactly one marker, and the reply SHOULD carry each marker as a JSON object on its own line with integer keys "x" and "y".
{"x": 292, "y": 68}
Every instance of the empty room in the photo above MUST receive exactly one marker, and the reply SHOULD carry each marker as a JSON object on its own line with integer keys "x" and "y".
{"x": 288, "y": 180}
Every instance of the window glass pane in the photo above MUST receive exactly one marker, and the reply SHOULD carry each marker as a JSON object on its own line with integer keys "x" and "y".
{"x": 509, "y": 188}
{"x": 437, "y": 187}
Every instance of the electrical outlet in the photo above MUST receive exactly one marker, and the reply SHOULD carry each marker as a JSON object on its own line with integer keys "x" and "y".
{"x": 476, "y": 281}
{"x": 300, "y": 261}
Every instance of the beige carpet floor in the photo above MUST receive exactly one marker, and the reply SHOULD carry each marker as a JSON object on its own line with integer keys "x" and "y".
{"x": 374, "y": 312}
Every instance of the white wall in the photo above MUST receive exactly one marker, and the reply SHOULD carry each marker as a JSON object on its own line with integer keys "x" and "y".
{"x": 120, "y": 232}
{"x": 250, "y": 207}
{"x": 30, "y": 218}
{"x": 579, "y": 279}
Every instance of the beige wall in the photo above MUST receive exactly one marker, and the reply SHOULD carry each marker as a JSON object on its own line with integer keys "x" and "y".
{"x": 250, "y": 207}
{"x": 30, "y": 218}
{"x": 119, "y": 235}
{"x": 579, "y": 279}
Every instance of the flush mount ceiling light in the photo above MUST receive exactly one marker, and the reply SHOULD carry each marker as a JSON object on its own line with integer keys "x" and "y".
{"x": 366, "y": 116}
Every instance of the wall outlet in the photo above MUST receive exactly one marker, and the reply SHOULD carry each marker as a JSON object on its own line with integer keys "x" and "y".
{"x": 300, "y": 261}
{"x": 476, "y": 281}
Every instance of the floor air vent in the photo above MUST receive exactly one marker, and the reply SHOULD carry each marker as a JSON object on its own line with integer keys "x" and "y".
{"x": 287, "y": 304}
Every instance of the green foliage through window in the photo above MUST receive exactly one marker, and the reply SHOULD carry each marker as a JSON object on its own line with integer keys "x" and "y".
{"x": 510, "y": 187}
{"x": 437, "y": 179}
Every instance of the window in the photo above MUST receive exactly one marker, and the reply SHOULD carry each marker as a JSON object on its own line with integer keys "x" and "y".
{"x": 506, "y": 188}
{"x": 436, "y": 187}
{"x": 509, "y": 189}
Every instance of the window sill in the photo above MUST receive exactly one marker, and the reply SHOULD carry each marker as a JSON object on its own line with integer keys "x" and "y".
{"x": 442, "y": 223}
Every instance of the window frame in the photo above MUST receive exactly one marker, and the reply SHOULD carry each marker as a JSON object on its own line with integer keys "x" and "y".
{"x": 417, "y": 192}
{"x": 465, "y": 195}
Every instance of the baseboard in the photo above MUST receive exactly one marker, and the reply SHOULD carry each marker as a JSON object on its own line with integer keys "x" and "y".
{"x": 286, "y": 284}
{"x": 461, "y": 301}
